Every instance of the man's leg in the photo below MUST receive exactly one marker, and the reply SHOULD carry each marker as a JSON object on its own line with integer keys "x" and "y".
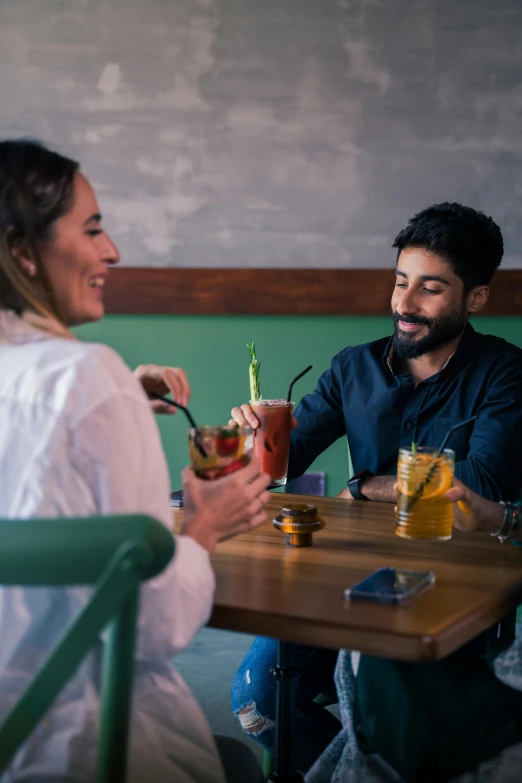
{"x": 253, "y": 698}
{"x": 238, "y": 761}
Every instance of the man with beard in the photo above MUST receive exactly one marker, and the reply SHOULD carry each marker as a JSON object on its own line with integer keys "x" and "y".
{"x": 434, "y": 372}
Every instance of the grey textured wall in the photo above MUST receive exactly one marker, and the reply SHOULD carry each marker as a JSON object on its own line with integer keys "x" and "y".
{"x": 273, "y": 132}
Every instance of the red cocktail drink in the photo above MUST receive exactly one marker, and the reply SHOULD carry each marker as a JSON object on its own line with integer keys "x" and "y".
{"x": 272, "y": 437}
{"x": 217, "y": 451}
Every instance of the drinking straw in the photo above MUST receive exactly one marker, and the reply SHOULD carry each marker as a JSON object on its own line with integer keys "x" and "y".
{"x": 452, "y": 429}
{"x": 296, "y": 379}
{"x": 432, "y": 470}
{"x": 187, "y": 413}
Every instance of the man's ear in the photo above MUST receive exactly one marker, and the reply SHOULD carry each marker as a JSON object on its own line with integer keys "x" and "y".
{"x": 477, "y": 298}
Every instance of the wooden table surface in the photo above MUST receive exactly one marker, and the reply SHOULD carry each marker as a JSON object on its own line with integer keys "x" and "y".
{"x": 267, "y": 588}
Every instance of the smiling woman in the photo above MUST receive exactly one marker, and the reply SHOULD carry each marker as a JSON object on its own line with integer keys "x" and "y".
{"x": 53, "y": 252}
{"x": 77, "y": 439}
{"x": 76, "y": 259}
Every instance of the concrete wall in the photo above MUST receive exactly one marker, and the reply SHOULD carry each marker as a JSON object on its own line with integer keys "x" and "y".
{"x": 272, "y": 132}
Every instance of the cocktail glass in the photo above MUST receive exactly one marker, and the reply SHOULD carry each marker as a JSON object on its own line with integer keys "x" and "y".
{"x": 422, "y": 479}
{"x": 272, "y": 437}
{"x": 217, "y": 451}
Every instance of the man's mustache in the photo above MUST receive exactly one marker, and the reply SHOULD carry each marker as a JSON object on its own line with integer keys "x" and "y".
{"x": 412, "y": 319}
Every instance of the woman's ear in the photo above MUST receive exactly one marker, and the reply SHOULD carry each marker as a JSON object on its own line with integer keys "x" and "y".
{"x": 23, "y": 256}
{"x": 477, "y": 298}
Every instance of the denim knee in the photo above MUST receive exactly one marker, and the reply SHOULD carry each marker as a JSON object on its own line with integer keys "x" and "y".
{"x": 254, "y": 689}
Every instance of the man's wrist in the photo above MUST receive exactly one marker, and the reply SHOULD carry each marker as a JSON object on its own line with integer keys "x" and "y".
{"x": 492, "y": 519}
{"x": 380, "y": 488}
{"x": 354, "y": 484}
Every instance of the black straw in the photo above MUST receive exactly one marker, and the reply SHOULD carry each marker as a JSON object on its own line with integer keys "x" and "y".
{"x": 288, "y": 399}
{"x": 452, "y": 429}
{"x": 187, "y": 413}
{"x": 431, "y": 472}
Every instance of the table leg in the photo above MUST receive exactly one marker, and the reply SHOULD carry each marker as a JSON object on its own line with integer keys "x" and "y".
{"x": 284, "y": 673}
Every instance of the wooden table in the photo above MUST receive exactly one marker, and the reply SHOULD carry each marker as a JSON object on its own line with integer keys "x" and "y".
{"x": 267, "y": 588}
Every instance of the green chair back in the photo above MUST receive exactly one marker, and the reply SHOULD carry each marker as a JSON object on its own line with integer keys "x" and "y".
{"x": 114, "y": 554}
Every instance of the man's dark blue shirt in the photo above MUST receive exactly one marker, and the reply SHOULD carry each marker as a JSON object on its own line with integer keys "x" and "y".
{"x": 379, "y": 411}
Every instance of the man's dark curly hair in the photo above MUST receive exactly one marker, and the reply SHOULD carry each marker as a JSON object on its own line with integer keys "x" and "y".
{"x": 470, "y": 241}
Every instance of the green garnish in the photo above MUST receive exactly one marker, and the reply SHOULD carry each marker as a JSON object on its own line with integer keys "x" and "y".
{"x": 253, "y": 371}
{"x": 413, "y": 448}
{"x": 229, "y": 432}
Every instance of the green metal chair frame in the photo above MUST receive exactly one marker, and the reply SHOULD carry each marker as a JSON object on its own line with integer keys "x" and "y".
{"x": 114, "y": 554}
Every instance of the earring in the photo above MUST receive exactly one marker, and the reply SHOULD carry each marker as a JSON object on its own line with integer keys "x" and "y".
{"x": 30, "y": 268}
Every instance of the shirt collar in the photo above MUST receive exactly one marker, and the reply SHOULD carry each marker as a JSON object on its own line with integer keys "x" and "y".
{"x": 29, "y": 327}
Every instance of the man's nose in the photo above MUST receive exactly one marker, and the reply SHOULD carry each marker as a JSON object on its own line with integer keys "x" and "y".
{"x": 408, "y": 302}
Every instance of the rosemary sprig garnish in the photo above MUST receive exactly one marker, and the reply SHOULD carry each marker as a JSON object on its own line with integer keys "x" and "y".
{"x": 253, "y": 372}
{"x": 436, "y": 461}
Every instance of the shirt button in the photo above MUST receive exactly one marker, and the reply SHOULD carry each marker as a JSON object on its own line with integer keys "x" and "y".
{"x": 408, "y": 426}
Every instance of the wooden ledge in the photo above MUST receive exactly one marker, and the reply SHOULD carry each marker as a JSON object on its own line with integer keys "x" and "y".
{"x": 211, "y": 291}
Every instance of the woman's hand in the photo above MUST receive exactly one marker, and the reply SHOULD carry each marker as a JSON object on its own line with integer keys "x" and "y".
{"x": 245, "y": 417}
{"x": 473, "y": 513}
{"x": 164, "y": 380}
{"x": 216, "y": 510}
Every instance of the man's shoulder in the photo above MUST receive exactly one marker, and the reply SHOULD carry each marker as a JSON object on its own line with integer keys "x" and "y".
{"x": 494, "y": 360}
{"x": 365, "y": 352}
{"x": 492, "y": 347}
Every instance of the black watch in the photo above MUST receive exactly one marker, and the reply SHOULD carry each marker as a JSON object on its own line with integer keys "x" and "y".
{"x": 355, "y": 481}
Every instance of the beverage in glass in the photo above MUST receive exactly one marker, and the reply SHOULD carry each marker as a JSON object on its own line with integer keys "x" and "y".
{"x": 217, "y": 451}
{"x": 272, "y": 437}
{"x": 422, "y": 480}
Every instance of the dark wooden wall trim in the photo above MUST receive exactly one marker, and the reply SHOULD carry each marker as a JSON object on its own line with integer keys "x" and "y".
{"x": 204, "y": 291}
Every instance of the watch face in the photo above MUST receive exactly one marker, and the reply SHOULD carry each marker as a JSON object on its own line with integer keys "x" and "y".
{"x": 358, "y": 476}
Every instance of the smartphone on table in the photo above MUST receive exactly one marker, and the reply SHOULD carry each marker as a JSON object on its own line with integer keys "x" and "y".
{"x": 390, "y": 586}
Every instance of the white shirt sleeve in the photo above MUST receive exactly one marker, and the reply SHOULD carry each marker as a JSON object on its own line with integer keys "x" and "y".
{"x": 117, "y": 452}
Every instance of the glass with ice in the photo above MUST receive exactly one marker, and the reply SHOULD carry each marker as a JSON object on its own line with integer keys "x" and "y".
{"x": 218, "y": 451}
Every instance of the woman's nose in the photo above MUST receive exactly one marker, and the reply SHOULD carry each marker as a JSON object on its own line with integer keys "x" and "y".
{"x": 111, "y": 254}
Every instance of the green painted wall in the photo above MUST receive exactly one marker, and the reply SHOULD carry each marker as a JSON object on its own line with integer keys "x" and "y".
{"x": 213, "y": 352}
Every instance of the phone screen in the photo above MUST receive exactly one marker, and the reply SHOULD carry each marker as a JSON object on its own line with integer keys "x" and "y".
{"x": 390, "y": 585}
{"x": 176, "y": 499}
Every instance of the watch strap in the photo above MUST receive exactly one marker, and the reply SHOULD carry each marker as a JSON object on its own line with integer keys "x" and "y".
{"x": 355, "y": 481}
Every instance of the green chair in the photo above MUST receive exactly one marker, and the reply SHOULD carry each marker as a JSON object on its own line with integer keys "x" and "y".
{"x": 114, "y": 554}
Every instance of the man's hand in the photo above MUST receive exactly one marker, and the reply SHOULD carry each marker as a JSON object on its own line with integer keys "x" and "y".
{"x": 383, "y": 488}
{"x": 164, "y": 380}
{"x": 473, "y": 513}
{"x": 245, "y": 417}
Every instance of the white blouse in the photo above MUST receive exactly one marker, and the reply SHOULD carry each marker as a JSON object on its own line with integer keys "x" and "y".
{"x": 77, "y": 438}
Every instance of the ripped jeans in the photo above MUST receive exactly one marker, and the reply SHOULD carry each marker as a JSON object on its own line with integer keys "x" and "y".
{"x": 254, "y": 692}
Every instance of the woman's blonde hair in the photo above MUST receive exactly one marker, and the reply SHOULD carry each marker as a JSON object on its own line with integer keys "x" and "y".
{"x": 36, "y": 189}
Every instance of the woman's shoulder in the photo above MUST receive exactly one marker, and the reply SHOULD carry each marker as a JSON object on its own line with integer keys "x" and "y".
{"x": 72, "y": 374}
{"x": 99, "y": 358}
{"x": 100, "y": 373}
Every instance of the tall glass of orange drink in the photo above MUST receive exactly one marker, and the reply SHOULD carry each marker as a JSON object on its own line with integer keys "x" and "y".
{"x": 422, "y": 479}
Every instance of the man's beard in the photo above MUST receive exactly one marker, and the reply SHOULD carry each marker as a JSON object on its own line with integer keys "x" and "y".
{"x": 440, "y": 331}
